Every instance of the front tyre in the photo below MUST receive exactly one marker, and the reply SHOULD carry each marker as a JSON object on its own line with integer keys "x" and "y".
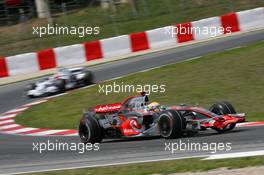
{"x": 222, "y": 108}
{"x": 30, "y": 87}
{"x": 90, "y": 130}
{"x": 230, "y": 127}
{"x": 171, "y": 124}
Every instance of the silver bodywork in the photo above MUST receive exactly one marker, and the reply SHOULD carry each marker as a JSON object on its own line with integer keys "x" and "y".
{"x": 44, "y": 87}
{"x": 72, "y": 78}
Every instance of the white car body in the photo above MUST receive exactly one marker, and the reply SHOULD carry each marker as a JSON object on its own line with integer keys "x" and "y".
{"x": 72, "y": 77}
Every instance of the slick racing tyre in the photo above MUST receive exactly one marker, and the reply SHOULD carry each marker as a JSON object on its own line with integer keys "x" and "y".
{"x": 88, "y": 78}
{"x": 222, "y": 108}
{"x": 60, "y": 83}
{"x": 90, "y": 130}
{"x": 29, "y": 87}
{"x": 171, "y": 124}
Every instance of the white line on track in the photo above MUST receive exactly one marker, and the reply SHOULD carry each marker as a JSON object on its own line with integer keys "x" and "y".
{"x": 17, "y": 110}
{"x": 235, "y": 155}
{"x": 45, "y": 133}
{"x": 203, "y": 157}
{"x": 35, "y": 103}
{"x": 86, "y": 87}
{"x": 105, "y": 165}
{"x": 58, "y": 95}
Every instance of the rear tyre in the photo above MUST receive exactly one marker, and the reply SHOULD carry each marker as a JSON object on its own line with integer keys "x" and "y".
{"x": 222, "y": 108}
{"x": 171, "y": 124}
{"x": 90, "y": 130}
{"x": 60, "y": 84}
{"x": 88, "y": 78}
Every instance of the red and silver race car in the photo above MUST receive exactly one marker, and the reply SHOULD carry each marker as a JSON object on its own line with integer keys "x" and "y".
{"x": 136, "y": 117}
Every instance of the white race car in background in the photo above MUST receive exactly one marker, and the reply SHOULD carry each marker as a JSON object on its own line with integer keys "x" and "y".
{"x": 64, "y": 79}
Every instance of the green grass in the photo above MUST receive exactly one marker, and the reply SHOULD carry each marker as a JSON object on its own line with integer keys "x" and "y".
{"x": 236, "y": 75}
{"x": 149, "y": 15}
{"x": 164, "y": 167}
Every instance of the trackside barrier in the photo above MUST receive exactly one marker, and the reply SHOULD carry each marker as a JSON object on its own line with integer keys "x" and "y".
{"x": 209, "y": 22}
{"x": 251, "y": 19}
{"x": 127, "y": 44}
{"x": 116, "y": 46}
{"x": 22, "y": 64}
{"x": 161, "y": 37}
{"x": 70, "y": 55}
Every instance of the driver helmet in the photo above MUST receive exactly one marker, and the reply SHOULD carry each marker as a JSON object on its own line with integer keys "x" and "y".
{"x": 154, "y": 106}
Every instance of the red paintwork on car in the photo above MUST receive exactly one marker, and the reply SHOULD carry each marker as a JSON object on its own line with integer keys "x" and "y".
{"x": 218, "y": 122}
{"x": 127, "y": 129}
{"x": 206, "y": 125}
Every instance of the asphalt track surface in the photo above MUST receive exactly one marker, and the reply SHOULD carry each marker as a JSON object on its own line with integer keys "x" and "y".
{"x": 17, "y": 155}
